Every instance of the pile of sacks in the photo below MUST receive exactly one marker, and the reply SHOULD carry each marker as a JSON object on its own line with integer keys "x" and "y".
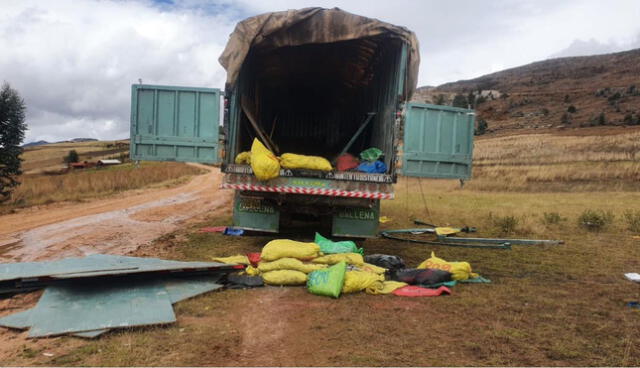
{"x": 266, "y": 165}
{"x": 331, "y": 268}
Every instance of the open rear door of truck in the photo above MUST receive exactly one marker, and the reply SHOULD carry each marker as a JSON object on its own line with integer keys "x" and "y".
{"x": 175, "y": 124}
{"x": 438, "y": 141}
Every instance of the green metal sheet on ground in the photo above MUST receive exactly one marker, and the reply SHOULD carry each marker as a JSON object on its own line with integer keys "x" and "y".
{"x": 80, "y": 306}
{"x": 90, "y": 334}
{"x": 178, "y": 289}
{"x": 29, "y": 273}
{"x": 18, "y": 320}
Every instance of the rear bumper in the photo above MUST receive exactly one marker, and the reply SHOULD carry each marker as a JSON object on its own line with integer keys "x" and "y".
{"x": 309, "y": 186}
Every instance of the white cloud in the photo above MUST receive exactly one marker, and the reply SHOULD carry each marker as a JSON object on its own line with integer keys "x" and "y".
{"x": 74, "y": 61}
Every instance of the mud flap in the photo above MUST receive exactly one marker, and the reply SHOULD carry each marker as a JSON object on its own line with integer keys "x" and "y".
{"x": 356, "y": 222}
{"x": 255, "y": 213}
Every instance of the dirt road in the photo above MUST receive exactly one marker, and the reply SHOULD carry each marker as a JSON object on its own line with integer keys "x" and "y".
{"x": 113, "y": 225}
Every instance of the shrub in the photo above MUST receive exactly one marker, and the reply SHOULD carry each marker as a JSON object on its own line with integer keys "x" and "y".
{"x": 571, "y": 109}
{"x": 505, "y": 224}
{"x": 595, "y": 220}
{"x": 633, "y": 220}
{"x": 482, "y": 127}
{"x": 552, "y": 218}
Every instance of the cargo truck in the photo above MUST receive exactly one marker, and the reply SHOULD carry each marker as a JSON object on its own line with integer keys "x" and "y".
{"x": 315, "y": 82}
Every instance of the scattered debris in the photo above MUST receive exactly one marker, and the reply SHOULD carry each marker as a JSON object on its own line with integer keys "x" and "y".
{"x": 213, "y": 229}
{"x": 444, "y": 238}
{"x": 635, "y": 277}
{"x": 233, "y": 231}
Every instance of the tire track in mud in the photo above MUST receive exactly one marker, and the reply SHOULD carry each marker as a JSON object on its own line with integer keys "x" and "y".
{"x": 115, "y": 226}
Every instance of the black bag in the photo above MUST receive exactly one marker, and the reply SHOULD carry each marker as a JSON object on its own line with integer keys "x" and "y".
{"x": 386, "y": 261}
{"x": 420, "y": 276}
{"x": 237, "y": 281}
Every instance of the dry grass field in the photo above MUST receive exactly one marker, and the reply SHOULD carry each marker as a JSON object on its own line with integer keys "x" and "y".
{"x": 45, "y": 181}
{"x": 559, "y": 162}
{"x": 546, "y": 306}
{"x": 51, "y": 156}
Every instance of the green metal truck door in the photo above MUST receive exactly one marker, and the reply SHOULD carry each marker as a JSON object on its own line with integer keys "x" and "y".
{"x": 175, "y": 123}
{"x": 438, "y": 141}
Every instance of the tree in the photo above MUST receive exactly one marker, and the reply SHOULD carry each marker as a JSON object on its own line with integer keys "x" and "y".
{"x": 12, "y": 127}
{"x": 571, "y": 109}
{"x": 460, "y": 101}
{"x": 440, "y": 100}
{"x": 481, "y": 127}
{"x": 72, "y": 157}
{"x": 471, "y": 99}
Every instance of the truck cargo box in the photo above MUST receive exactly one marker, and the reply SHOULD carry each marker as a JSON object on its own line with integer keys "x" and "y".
{"x": 314, "y": 82}
{"x": 311, "y": 84}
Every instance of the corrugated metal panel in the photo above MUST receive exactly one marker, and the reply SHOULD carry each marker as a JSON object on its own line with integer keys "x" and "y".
{"x": 175, "y": 123}
{"x": 438, "y": 141}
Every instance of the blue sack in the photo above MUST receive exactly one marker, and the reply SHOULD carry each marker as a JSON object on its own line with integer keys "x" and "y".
{"x": 373, "y": 167}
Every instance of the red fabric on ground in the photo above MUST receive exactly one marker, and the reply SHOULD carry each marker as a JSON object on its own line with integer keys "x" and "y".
{"x": 411, "y": 290}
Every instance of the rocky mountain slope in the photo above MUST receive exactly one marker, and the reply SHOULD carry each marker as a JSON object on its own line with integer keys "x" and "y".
{"x": 564, "y": 92}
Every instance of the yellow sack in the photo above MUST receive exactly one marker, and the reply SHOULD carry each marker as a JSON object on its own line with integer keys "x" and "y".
{"x": 264, "y": 163}
{"x": 351, "y": 258}
{"x": 293, "y": 161}
{"x": 373, "y": 268}
{"x": 459, "y": 270}
{"x": 252, "y": 271}
{"x": 384, "y": 287}
{"x": 243, "y": 158}
{"x": 289, "y": 264}
{"x": 239, "y": 259}
{"x": 285, "y": 248}
{"x": 355, "y": 281}
{"x": 446, "y": 230}
{"x": 284, "y": 277}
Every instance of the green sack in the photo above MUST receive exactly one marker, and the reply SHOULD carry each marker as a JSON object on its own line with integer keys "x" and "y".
{"x": 330, "y": 247}
{"x": 327, "y": 282}
{"x": 371, "y": 154}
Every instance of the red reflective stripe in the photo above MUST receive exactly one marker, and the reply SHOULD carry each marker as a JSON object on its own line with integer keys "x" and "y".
{"x": 312, "y": 191}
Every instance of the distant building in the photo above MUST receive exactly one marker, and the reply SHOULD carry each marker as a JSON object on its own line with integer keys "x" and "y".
{"x": 108, "y": 162}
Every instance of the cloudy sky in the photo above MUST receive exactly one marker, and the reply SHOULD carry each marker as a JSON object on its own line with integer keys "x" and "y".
{"x": 73, "y": 61}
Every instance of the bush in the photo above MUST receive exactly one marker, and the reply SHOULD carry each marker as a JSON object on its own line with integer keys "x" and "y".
{"x": 595, "y": 220}
{"x": 633, "y": 220}
{"x": 482, "y": 127}
{"x": 505, "y": 224}
{"x": 571, "y": 109}
{"x": 552, "y": 218}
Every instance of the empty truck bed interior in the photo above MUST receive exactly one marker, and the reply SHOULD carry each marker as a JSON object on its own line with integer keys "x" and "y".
{"x": 311, "y": 99}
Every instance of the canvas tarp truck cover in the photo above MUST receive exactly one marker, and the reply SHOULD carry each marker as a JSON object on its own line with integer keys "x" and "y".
{"x": 309, "y": 26}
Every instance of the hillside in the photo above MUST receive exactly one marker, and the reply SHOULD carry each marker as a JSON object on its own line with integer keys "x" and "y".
{"x": 564, "y": 92}
{"x": 50, "y": 156}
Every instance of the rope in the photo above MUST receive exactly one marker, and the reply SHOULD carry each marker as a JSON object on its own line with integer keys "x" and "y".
{"x": 424, "y": 201}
